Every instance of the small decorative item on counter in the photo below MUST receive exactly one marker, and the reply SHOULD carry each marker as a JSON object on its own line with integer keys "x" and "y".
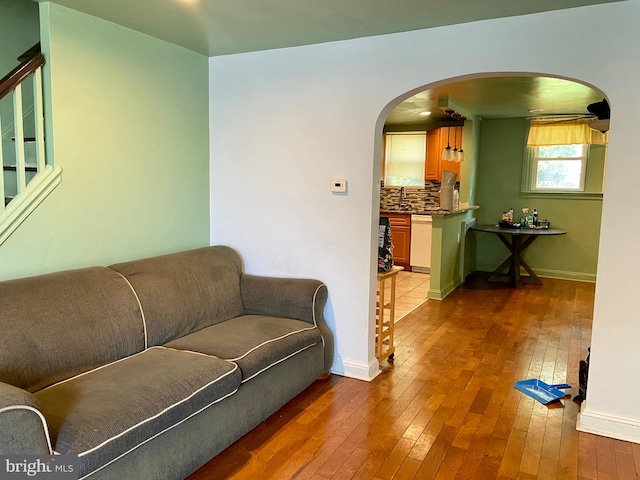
{"x": 523, "y": 219}
{"x": 505, "y": 224}
{"x": 385, "y": 247}
{"x": 535, "y": 217}
{"x": 545, "y": 224}
{"x": 507, "y": 220}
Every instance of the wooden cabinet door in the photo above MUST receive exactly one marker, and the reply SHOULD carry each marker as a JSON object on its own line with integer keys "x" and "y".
{"x": 434, "y": 153}
{"x": 401, "y": 239}
{"x": 437, "y": 140}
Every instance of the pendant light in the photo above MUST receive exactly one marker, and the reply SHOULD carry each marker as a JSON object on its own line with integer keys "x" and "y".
{"x": 461, "y": 157}
{"x": 455, "y": 143}
{"x": 447, "y": 154}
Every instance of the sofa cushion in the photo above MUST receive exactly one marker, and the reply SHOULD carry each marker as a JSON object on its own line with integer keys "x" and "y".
{"x": 58, "y": 325}
{"x": 254, "y": 342}
{"x": 184, "y": 292}
{"x": 106, "y": 413}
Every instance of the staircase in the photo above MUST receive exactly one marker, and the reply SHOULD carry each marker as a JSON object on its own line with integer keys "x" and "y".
{"x": 28, "y": 175}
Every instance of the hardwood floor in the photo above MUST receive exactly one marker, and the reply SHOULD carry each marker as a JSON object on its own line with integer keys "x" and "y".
{"x": 447, "y": 407}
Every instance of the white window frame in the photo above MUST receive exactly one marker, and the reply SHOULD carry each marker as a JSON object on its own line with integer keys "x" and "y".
{"x": 388, "y": 159}
{"x": 534, "y": 171}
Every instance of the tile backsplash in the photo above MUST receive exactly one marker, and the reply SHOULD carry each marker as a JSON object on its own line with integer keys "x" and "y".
{"x": 416, "y": 197}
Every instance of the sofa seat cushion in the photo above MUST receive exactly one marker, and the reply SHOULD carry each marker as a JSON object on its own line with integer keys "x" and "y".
{"x": 106, "y": 413}
{"x": 254, "y": 342}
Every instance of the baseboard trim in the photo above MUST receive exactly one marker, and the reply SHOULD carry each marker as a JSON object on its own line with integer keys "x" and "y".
{"x": 612, "y": 426}
{"x": 565, "y": 275}
{"x": 548, "y": 273}
{"x": 421, "y": 269}
{"x": 435, "y": 294}
{"x": 357, "y": 370}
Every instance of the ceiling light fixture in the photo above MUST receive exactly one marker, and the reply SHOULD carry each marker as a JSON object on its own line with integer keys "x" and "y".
{"x": 447, "y": 154}
{"x": 425, "y": 113}
{"x": 461, "y": 157}
{"x": 455, "y": 144}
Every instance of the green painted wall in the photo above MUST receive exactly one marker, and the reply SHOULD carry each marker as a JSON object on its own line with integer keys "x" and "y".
{"x": 129, "y": 117}
{"x": 500, "y": 166}
{"x": 19, "y": 31}
{"x": 451, "y": 259}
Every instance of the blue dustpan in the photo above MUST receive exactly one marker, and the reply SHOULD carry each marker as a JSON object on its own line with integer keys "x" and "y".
{"x": 540, "y": 391}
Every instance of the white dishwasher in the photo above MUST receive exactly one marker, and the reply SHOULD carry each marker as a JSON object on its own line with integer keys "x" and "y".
{"x": 420, "y": 254}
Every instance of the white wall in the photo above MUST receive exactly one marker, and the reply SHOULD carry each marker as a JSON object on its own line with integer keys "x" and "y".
{"x": 285, "y": 122}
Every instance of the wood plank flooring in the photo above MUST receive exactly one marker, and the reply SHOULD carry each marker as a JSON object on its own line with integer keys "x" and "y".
{"x": 447, "y": 407}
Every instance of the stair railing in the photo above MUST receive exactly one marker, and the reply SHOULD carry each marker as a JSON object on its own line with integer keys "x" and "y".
{"x": 33, "y": 181}
{"x": 11, "y": 84}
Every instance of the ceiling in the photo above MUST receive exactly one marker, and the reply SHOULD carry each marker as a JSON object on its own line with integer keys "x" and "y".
{"x": 220, "y": 27}
{"x": 496, "y": 97}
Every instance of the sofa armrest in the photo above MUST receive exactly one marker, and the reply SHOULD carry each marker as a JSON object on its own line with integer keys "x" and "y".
{"x": 24, "y": 429}
{"x": 298, "y": 298}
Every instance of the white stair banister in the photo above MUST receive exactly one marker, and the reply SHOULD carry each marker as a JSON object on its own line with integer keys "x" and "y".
{"x": 38, "y": 113}
{"x": 47, "y": 176}
{"x": 21, "y": 178}
{"x": 1, "y": 163}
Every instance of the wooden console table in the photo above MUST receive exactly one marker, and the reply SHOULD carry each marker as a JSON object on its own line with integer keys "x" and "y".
{"x": 386, "y": 315}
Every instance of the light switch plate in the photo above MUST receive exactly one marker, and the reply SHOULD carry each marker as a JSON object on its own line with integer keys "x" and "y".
{"x": 339, "y": 186}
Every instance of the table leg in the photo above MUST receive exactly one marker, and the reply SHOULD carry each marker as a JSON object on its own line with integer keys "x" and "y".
{"x": 392, "y": 317}
{"x": 513, "y": 263}
{"x": 380, "y": 323}
{"x": 532, "y": 278}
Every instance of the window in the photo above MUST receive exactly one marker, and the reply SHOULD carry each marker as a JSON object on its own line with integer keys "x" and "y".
{"x": 564, "y": 158}
{"x": 559, "y": 168}
{"x": 404, "y": 159}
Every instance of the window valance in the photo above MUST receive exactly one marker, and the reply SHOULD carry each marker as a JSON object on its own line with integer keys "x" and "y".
{"x": 543, "y": 133}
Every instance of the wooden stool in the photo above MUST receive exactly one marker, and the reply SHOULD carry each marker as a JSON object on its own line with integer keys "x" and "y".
{"x": 385, "y": 315}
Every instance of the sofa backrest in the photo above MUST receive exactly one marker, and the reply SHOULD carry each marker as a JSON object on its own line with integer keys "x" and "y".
{"x": 58, "y": 325}
{"x": 184, "y": 292}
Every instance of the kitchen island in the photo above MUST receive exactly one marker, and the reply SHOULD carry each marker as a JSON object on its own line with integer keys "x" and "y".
{"x": 452, "y": 254}
{"x": 435, "y": 210}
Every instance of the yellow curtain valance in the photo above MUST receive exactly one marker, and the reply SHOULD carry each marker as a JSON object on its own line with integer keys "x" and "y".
{"x": 564, "y": 133}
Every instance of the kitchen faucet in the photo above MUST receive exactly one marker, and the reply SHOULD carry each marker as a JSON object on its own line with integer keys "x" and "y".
{"x": 403, "y": 198}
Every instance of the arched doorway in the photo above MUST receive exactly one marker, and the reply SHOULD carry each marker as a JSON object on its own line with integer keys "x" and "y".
{"x": 497, "y": 173}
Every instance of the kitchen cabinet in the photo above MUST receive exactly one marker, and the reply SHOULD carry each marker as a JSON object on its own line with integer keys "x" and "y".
{"x": 434, "y": 154}
{"x": 400, "y": 237}
{"x": 437, "y": 140}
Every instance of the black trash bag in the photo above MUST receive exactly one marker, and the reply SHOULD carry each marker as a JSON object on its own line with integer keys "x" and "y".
{"x": 583, "y": 377}
{"x": 385, "y": 247}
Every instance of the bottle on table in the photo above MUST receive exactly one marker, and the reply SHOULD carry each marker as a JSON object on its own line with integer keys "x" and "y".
{"x": 535, "y": 217}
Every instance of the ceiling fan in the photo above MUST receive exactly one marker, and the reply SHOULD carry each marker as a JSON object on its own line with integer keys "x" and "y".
{"x": 599, "y": 112}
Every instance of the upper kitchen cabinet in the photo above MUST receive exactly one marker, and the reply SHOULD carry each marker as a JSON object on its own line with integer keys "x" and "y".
{"x": 437, "y": 140}
{"x": 434, "y": 154}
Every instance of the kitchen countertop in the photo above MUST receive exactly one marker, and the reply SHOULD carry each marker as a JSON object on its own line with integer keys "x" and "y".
{"x": 435, "y": 210}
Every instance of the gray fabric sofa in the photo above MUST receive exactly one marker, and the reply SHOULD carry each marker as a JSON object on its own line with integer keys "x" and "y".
{"x": 150, "y": 368}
